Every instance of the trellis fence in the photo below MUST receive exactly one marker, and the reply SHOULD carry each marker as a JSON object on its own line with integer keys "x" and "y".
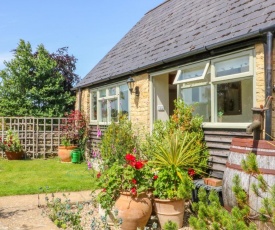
{"x": 40, "y": 137}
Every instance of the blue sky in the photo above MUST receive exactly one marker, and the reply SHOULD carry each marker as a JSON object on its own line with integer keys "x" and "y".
{"x": 89, "y": 28}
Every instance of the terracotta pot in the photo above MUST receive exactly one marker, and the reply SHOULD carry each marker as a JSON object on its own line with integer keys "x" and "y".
{"x": 169, "y": 210}
{"x": 134, "y": 211}
{"x": 14, "y": 155}
{"x": 64, "y": 153}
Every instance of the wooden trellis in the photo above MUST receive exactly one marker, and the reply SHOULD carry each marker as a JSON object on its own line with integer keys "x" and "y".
{"x": 39, "y": 136}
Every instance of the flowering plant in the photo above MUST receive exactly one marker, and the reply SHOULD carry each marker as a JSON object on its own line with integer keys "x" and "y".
{"x": 133, "y": 176}
{"x": 11, "y": 143}
{"x": 74, "y": 129}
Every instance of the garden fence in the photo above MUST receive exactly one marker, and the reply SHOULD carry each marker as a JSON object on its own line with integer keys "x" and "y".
{"x": 40, "y": 137}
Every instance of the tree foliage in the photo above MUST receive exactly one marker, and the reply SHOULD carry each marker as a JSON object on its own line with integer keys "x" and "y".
{"x": 37, "y": 83}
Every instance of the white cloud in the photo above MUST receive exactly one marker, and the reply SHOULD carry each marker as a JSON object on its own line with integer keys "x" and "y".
{"x": 5, "y": 57}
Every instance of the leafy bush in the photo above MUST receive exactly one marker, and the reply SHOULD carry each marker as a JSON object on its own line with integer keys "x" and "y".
{"x": 118, "y": 140}
{"x": 170, "y": 225}
{"x": 169, "y": 185}
{"x": 187, "y": 129}
{"x": 209, "y": 214}
{"x": 62, "y": 213}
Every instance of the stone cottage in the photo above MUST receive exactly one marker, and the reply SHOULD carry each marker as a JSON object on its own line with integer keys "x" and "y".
{"x": 218, "y": 54}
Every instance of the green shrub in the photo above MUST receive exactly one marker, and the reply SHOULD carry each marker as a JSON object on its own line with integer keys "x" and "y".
{"x": 188, "y": 129}
{"x": 209, "y": 214}
{"x": 170, "y": 225}
{"x": 118, "y": 140}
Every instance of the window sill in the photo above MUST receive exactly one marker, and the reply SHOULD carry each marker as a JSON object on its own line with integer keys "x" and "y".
{"x": 225, "y": 125}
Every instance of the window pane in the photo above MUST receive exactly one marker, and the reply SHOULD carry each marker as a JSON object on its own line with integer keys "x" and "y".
{"x": 124, "y": 99}
{"x": 232, "y": 66}
{"x": 103, "y": 110}
{"x": 94, "y": 106}
{"x": 112, "y": 91}
{"x": 102, "y": 93}
{"x": 113, "y": 109}
{"x": 235, "y": 100}
{"x": 191, "y": 73}
{"x": 200, "y": 98}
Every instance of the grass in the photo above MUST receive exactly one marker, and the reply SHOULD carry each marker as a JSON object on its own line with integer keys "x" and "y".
{"x": 29, "y": 176}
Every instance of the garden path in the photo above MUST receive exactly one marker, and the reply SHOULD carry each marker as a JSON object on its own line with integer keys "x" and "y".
{"x": 22, "y": 212}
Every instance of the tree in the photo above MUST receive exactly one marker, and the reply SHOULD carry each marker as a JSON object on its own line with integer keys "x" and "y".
{"x": 39, "y": 83}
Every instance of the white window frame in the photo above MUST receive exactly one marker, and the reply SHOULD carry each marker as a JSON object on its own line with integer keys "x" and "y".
{"x": 250, "y": 72}
{"x": 107, "y": 98}
{"x": 204, "y": 64}
{"x": 214, "y": 81}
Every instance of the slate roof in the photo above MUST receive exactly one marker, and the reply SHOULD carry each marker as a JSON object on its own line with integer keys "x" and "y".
{"x": 178, "y": 27}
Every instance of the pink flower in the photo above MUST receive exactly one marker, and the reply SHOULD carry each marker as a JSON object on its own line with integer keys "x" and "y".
{"x": 139, "y": 165}
{"x": 89, "y": 165}
{"x": 134, "y": 191}
{"x": 99, "y": 134}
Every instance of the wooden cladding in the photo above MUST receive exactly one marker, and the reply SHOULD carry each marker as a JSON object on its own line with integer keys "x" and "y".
{"x": 218, "y": 142}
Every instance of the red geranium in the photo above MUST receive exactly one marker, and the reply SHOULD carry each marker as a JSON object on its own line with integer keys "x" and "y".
{"x": 134, "y": 181}
{"x": 191, "y": 172}
{"x": 130, "y": 157}
{"x": 155, "y": 177}
{"x": 98, "y": 175}
{"x": 134, "y": 191}
{"x": 139, "y": 165}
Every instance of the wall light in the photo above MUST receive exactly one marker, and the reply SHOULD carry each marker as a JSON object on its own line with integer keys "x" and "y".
{"x": 131, "y": 86}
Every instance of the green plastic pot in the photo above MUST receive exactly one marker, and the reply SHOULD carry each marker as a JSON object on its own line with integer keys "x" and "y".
{"x": 75, "y": 155}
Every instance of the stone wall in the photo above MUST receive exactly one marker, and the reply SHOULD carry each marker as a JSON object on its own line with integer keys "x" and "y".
{"x": 140, "y": 106}
{"x": 85, "y": 102}
{"x": 260, "y": 80}
{"x": 260, "y": 75}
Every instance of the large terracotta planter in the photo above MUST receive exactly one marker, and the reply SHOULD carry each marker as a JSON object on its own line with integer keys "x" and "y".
{"x": 169, "y": 210}
{"x": 14, "y": 155}
{"x": 134, "y": 211}
{"x": 64, "y": 153}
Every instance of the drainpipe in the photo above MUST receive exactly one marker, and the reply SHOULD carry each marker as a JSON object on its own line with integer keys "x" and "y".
{"x": 268, "y": 82}
{"x": 79, "y": 99}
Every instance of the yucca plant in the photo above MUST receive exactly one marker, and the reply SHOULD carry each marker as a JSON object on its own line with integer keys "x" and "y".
{"x": 180, "y": 150}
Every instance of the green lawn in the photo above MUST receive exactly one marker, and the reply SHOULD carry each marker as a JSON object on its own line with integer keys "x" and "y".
{"x": 29, "y": 176}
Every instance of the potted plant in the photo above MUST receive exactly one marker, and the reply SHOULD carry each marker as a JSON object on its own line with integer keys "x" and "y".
{"x": 176, "y": 158}
{"x": 172, "y": 187}
{"x": 74, "y": 135}
{"x": 125, "y": 187}
{"x": 220, "y": 115}
{"x": 11, "y": 146}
